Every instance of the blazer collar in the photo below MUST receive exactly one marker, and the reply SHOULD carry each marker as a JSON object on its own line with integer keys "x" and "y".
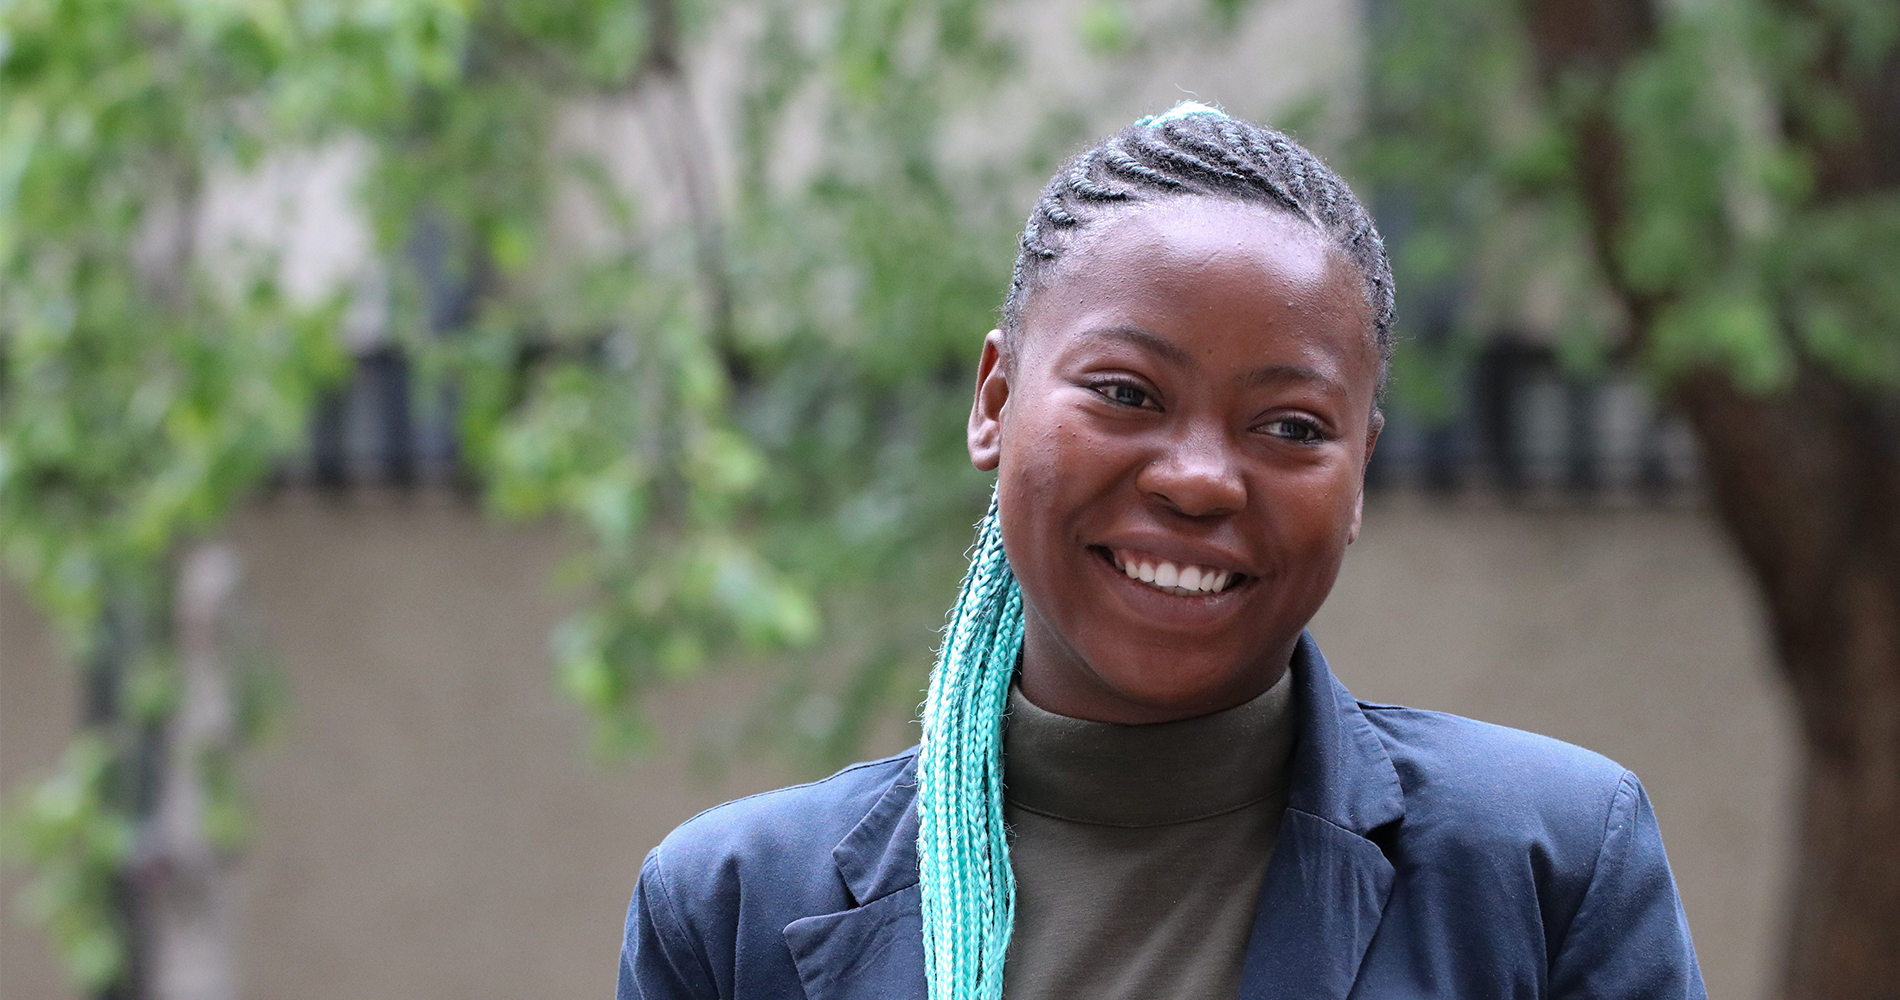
{"x": 1327, "y": 885}
{"x": 1341, "y": 772}
{"x": 875, "y": 949}
{"x": 1320, "y": 905}
{"x": 879, "y": 855}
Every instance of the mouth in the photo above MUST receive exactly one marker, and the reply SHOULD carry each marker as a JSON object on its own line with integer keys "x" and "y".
{"x": 1169, "y": 577}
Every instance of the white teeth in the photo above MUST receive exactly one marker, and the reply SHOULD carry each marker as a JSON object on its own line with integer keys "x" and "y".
{"x": 1184, "y": 580}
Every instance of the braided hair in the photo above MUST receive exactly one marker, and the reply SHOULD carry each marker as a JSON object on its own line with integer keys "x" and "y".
{"x": 968, "y": 889}
{"x": 1194, "y": 149}
{"x": 969, "y": 892}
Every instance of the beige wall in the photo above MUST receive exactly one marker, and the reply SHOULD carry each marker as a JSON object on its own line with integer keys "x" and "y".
{"x": 432, "y": 825}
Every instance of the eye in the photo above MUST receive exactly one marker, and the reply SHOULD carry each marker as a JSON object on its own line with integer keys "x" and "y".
{"x": 1124, "y": 393}
{"x": 1297, "y": 429}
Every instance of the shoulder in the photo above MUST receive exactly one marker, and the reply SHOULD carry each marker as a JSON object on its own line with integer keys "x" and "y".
{"x": 1546, "y": 842}
{"x": 1494, "y": 770}
{"x": 785, "y": 835}
{"x": 1475, "y": 788}
{"x": 713, "y": 898}
{"x": 1487, "y": 805}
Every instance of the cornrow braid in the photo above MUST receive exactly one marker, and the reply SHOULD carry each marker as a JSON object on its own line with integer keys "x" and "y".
{"x": 1194, "y": 149}
{"x": 968, "y": 888}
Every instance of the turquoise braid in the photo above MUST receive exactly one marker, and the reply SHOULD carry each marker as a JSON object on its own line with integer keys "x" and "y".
{"x": 1181, "y": 110}
{"x": 969, "y": 892}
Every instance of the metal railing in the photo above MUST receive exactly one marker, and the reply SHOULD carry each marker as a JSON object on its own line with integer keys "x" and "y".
{"x": 1522, "y": 426}
{"x": 1519, "y": 426}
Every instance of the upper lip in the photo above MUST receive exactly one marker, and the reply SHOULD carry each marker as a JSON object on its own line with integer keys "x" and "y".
{"x": 1179, "y": 552}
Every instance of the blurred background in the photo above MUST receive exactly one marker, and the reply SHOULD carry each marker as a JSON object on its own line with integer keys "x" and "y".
{"x": 445, "y": 444}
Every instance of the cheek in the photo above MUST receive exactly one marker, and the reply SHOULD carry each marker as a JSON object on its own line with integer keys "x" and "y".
{"x": 1313, "y": 514}
{"x": 1053, "y": 478}
{"x": 1041, "y": 450}
{"x": 1031, "y": 482}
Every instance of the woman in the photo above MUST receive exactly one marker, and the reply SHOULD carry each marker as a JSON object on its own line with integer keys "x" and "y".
{"x": 1137, "y": 776}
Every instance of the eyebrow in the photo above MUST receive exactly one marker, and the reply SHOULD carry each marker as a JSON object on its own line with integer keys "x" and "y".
{"x": 1169, "y": 351}
{"x": 1277, "y": 374}
{"x": 1179, "y": 356}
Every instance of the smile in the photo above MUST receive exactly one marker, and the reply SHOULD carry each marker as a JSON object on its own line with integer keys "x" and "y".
{"x": 1179, "y": 579}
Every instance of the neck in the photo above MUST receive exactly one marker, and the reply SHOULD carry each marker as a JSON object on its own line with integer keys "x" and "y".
{"x": 1056, "y": 677}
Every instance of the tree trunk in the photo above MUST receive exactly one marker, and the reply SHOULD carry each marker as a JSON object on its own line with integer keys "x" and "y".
{"x": 184, "y": 875}
{"x": 677, "y": 131}
{"x": 1807, "y": 482}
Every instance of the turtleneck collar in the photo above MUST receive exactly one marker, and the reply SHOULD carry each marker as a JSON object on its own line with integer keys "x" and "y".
{"x": 1108, "y": 774}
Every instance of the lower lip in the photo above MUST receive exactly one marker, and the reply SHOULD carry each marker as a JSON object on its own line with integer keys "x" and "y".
{"x": 1165, "y": 609}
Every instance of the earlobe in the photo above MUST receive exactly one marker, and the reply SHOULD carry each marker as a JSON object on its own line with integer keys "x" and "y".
{"x": 986, "y": 408}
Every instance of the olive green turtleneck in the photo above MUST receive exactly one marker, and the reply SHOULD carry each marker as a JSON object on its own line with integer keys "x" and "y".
{"x": 1139, "y": 850}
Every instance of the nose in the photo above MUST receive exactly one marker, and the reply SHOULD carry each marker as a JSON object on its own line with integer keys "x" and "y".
{"x": 1196, "y": 474}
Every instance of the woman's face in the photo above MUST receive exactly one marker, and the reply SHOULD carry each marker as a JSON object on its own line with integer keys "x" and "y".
{"x": 1180, "y": 439}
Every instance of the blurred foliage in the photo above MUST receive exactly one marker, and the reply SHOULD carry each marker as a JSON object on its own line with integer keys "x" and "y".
{"x": 742, "y": 394}
{"x": 146, "y": 382}
{"x": 69, "y": 829}
{"x": 741, "y": 400}
{"x": 1718, "y": 238}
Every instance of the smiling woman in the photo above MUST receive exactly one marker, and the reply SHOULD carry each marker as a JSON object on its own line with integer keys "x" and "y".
{"x": 1194, "y": 392}
{"x": 1138, "y": 777}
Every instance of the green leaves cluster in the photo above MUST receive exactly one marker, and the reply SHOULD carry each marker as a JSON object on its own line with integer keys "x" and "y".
{"x": 744, "y": 396}
{"x": 70, "y": 831}
{"x": 1721, "y": 121}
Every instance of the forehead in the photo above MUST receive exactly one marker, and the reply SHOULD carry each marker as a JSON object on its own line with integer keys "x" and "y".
{"x": 1197, "y": 232}
{"x": 1193, "y": 263}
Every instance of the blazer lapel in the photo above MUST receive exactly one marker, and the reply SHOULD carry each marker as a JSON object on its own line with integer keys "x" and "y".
{"x": 875, "y": 950}
{"x": 1327, "y": 885}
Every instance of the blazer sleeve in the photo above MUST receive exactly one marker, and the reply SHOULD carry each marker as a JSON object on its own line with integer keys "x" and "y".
{"x": 1629, "y": 939}
{"x": 658, "y": 957}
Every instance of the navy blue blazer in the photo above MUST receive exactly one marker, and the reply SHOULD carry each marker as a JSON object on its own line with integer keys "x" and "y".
{"x": 1422, "y": 855}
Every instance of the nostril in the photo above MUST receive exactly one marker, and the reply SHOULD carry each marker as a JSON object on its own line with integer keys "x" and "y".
{"x": 1198, "y": 495}
{"x": 1195, "y": 481}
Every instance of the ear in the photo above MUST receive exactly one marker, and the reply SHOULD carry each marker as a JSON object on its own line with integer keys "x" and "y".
{"x": 986, "y": 409}
{"x": 1373, "y": 427}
